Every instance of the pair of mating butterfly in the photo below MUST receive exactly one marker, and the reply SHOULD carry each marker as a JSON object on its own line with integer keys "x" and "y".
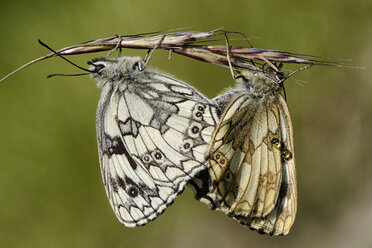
{"x": 156, "y": 134}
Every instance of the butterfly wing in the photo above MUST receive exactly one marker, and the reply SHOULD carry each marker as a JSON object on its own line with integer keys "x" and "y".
{"x": 246, "y": 166}
{"x": 153, "y": 133}
{"x": 281, "y": 218}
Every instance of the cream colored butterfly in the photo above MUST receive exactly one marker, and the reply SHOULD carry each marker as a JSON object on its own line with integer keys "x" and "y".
{"x": 251, "y": 157}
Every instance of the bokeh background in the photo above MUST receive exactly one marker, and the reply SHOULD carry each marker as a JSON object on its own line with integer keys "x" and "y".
{"x": 51, "y": 193}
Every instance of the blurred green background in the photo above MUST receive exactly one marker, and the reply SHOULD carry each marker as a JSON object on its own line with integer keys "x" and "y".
{"x": 51, "y": 192}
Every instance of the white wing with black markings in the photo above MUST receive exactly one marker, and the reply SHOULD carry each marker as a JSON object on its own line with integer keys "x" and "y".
{"x": 153, "y": 134}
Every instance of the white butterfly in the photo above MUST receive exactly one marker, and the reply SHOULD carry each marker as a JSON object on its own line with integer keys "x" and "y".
{"x": 153, "y": 132}
{"x": 251, "y": 161}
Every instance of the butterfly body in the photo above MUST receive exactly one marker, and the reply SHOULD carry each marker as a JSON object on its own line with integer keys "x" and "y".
{"x": 153, "y": 132}
{"x": 251, "y": 162}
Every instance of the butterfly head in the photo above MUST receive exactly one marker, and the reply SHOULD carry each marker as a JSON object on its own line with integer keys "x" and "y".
{"x": 261, "y": 82}
{"x": 114, "y": 70}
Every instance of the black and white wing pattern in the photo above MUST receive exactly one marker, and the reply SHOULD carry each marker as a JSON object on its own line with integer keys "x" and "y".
{"x": 153, "y": 133}
{"x": 251, "y": 161}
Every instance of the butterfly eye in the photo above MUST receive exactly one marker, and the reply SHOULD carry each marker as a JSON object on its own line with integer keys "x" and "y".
{"x": 138, "y": 66}
{"x": 97, "y": 67}
{"x": 280, "y": 75}
{"x": 135, "y": 66}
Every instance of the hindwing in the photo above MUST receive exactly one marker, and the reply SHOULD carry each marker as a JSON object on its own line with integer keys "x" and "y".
{"x": 153, "y": 133}
{"x": 251, "y": 164}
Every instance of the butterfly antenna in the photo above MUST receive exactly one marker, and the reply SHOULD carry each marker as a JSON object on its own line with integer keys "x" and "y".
{"x": 295, "y": 71}
{"x": 56, "y": 53}
{"x": 67, "y": 75}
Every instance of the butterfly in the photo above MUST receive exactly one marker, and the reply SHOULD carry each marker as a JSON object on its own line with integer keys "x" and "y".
{"x": 251, "y": 166}
{"x": 153, "y": 132}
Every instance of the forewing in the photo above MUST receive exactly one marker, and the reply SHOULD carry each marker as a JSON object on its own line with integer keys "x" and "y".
{"x": 153, "y": 133}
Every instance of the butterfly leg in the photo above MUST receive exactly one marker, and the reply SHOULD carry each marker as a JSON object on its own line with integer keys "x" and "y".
{"x": 115, "y": 48}
{"x": 228, "y": 56}
{"x": 150, "y": 52}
